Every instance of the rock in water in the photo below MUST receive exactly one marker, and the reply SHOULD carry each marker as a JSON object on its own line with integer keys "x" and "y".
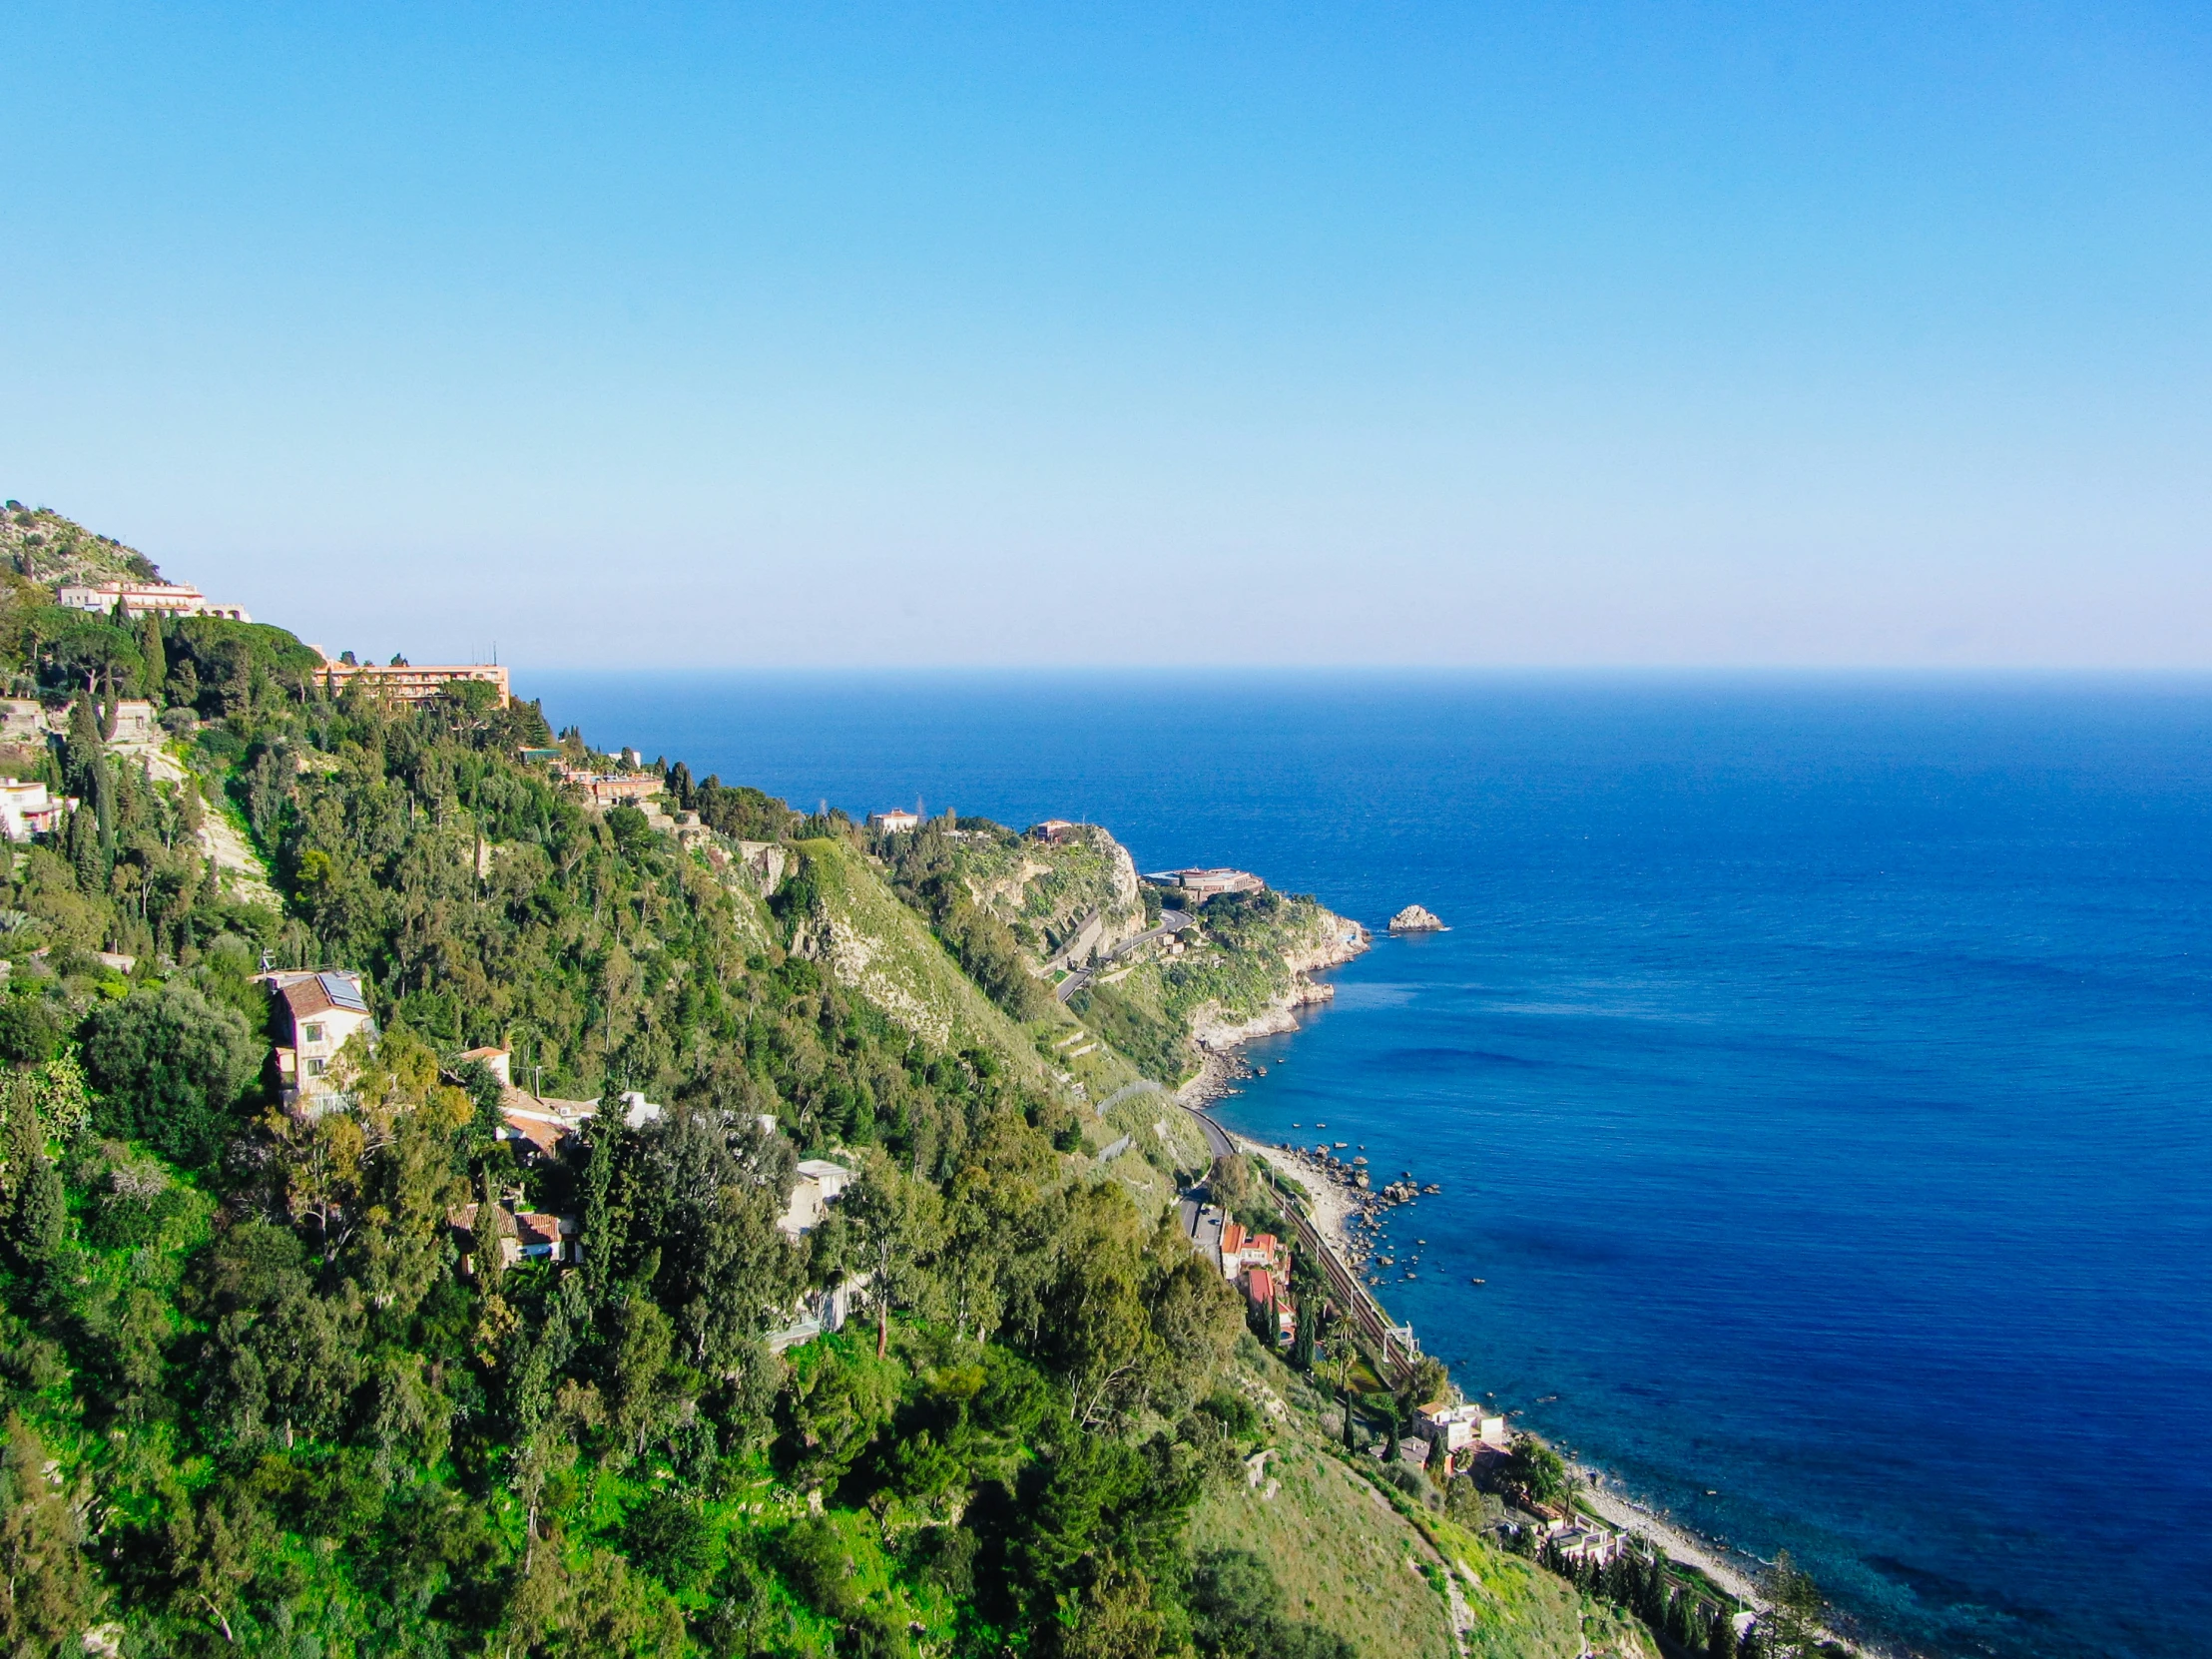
{"x": 1415, "y": 918}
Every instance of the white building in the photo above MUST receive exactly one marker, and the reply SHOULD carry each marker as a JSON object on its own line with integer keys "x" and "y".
{"x": 316, "y": 1014}
{"x": 146, "y": 598}
{"x": 896, "y": 822}
{"x": 26, "y": 810}
{"x": 820, "y": 1184}
{"x": 1455, "y": 1427}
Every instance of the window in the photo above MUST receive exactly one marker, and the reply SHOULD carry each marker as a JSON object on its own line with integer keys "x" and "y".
{"x": 316, "y": 1068}
{"x": 311, "y": 1033}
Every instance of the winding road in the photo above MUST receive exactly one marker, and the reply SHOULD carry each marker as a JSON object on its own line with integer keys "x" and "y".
{"x": 1171, "y": 922}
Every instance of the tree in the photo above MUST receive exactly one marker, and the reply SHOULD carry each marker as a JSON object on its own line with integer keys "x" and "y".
{"x": 153, "y": 659}
{"x": 896, "y": 1221}
{"x": 1535, "y": 1471}
{"x": 169, "y": 1066}
{"x": 50, "y": 1595}
{"x": 1790, "y": 1626}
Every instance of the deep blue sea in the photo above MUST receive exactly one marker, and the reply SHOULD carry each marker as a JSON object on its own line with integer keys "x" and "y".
{"x": 1819, "y": 1071}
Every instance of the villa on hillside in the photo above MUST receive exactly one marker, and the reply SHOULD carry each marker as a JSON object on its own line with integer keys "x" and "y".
{"x": 315, "y": 1014}
{"x": 140, "y": 599}
{"x": 896, "y": 822}
{"x": 821, "y": 1184}
{"x": 520, "y": 1235}
{"x": 538, "y": 1127}
{"x": 617, "y": 788}
{"x": 1054, "y": 830}
{"x": 1258, "y": 1262}
{"x": 1201, "y": 884}
{"x": 26, "y": 810}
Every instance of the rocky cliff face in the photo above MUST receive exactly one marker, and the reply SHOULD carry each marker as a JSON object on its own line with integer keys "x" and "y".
{"x": 1046, "y": 890}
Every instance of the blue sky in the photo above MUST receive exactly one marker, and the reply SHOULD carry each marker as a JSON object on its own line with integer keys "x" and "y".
{"x": 1606, "y": 335}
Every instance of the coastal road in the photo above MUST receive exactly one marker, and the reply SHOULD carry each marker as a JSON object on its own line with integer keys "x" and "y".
{"x": 1171, "y": 922}
{"x": 1217, "y": 1138}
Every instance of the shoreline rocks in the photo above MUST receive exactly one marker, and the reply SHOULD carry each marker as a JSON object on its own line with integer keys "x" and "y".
{"x": 1417, "y": 918}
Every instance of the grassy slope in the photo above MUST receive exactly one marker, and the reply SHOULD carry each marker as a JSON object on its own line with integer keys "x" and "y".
{"x": 881, "y": 948}
{"x": 1352, "y": 1559}
{"x": 1344, "y": 1558}
{"x": 52, "y": 549}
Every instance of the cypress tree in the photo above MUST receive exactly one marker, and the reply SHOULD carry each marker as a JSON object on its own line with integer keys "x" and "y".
{"x": 154, "y": 674}
{"x": 1720, "y": 1638}
{"x": 84, "y": 851}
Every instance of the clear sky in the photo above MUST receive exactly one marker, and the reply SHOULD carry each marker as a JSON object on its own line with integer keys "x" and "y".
{"x": 1578, "y": 335}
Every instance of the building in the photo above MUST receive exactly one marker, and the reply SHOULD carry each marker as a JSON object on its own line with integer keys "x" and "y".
{"x": 896, "y": 822}
{"x": 316, "y": 1014}
{"x": 1452, "y": 1430}
{"x": 619, "y": 788}
{"x": 1584, "y": 1540}
{"x": 1201, "y": 884}
{"x": 145, "y": 599}
{"x": 137, "y": 721}
{"x": 821, "y": 1184}
{"x": 539, "y": 1126}
{"x": 26, "y": 810}
{"x": 522, "y": 1236}
{"x": 410, "y": 684}
{"x": 1053, "y": 829}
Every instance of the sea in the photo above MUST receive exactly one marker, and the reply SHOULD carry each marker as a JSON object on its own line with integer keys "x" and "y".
{"x": 1818, "y": 1071}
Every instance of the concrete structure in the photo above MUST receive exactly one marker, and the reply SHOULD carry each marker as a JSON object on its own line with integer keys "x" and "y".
{"x": 26, "y": 810}
{"x": 821, "y": 1184}
{"x": 410, "y": 684}
{"x": 1082, "y": 944}
{"x": 1054, "y": 830}
{"x": 1454, "y": 1429}
{"x": 145, "y": 598}
{"x": 896, "y": 822}
{"x": 137, "y": 721}
{"x": 1202, "y": 885}
{"x": 618, "y": 789}
{"x": 316, "y": 1014}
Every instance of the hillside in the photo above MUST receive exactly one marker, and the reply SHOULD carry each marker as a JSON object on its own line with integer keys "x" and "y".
{"x": 330, "y": 1351}
{"x": 39, "y": 543}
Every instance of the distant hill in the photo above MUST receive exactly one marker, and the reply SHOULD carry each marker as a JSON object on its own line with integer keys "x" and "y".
{"x": 39, "y": 543}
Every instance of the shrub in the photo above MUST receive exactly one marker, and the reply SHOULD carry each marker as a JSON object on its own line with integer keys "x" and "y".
{"x": 169, "y": 1066}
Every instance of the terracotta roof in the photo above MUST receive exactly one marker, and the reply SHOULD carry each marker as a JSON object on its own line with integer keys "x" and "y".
{"x": 541, "y": 1130}
{"x": 321, "y": 993}
{"x": 535, "y": 1227}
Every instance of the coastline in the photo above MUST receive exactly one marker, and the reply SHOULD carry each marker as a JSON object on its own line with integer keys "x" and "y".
{"x": 1332, "y": 1207}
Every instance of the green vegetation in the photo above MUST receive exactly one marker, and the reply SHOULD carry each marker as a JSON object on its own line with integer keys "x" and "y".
{"x": 255, "y": 1399}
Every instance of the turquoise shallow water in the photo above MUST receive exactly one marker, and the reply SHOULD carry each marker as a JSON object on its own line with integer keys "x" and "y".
{"x": 1816, "y": 1071}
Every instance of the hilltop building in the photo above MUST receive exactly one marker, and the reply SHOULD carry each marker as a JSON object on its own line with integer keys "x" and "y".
{"x": 1201, "y": 884}
{"x": 410, "y": 684}
{"x": 145, "y": 599}
{"x": 896, "y": 822}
